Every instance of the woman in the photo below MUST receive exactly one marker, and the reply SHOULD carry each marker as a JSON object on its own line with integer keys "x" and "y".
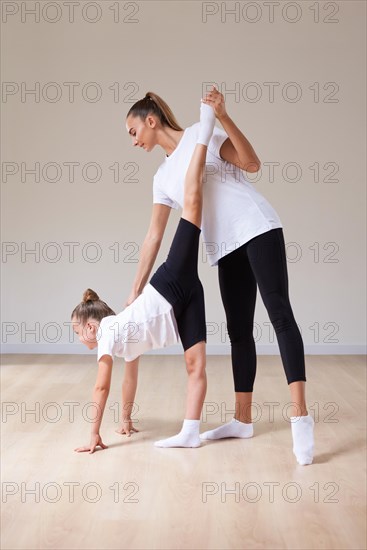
{"x": 244, "y": 238}
{"x": 171, "y": 304}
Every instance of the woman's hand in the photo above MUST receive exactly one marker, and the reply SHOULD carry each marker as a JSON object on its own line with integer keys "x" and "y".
{"x": 132, "y": 296}
{"x": 126, "y": 428}
{"x": 95, "y": 441}
{"x": 216, "y": 100}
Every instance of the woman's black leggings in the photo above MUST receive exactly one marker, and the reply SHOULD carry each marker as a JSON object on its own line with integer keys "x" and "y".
{"x": 261, "y": 261}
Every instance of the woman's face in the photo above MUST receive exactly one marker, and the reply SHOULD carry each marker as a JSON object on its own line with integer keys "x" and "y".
{"x": 142, "y": 132}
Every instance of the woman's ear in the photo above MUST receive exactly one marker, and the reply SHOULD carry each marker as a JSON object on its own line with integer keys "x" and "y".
{"x": 151, "y": 121}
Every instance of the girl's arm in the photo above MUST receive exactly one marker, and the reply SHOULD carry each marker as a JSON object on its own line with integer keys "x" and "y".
{"x": 150, "y": 248}
{"x": 129, "y": 385}
{"x": 100, "y": 394}
{"x": 236, "y": 149}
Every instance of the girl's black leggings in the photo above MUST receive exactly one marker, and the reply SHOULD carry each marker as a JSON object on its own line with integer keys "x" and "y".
{"x": 261, "y": 261}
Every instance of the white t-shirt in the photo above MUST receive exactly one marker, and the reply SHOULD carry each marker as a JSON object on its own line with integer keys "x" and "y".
{"x": 233, "y": 211}
{"x": 148, "y": 323}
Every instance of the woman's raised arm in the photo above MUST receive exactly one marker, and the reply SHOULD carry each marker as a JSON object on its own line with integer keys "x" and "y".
{"x": 236, "y": 149}
{"x": 149, "y": 249}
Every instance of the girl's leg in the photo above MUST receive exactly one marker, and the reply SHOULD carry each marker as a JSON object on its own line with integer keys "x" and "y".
{"x": 183, "y": 254}
{"x": 195, "y": 358}
{"x": 195, "y": 354}
{"x": 193, "y": 192}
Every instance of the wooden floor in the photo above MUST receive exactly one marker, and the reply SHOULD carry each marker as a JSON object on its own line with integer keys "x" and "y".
{"x": 243, "y": 494}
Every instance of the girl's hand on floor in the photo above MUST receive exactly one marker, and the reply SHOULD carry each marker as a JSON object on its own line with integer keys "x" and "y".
{"x": 95, "y": 441}
{"x": 126, "y": 428}
{"x": 216, "y": 100}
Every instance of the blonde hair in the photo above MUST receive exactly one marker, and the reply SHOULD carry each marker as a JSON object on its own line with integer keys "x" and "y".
{"x": 91, "y": 307}
{"x": 153, "y": 104}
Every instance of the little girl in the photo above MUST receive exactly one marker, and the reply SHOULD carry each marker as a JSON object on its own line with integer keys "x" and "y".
{"x": 170, "y": 306}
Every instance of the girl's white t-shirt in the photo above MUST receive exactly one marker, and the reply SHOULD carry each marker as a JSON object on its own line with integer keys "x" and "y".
{"x": 233, "y": 211}
{"x": 148, "y": 323}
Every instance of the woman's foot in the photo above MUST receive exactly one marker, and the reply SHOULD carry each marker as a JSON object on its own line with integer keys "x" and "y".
{"x": 235, "y": 428}
{"x": 303, "y": 438}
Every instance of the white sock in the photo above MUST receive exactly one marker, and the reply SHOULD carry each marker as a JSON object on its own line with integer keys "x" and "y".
{"x": 188, "y": 436}
{"x": 303, "y": 441}
{"x": 234, "y": 428}
{"x": 207, "y": 123}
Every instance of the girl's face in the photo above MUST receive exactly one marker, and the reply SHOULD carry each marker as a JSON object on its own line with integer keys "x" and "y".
{"x": 87, "y": 333}
{"x": 142, "y": 132}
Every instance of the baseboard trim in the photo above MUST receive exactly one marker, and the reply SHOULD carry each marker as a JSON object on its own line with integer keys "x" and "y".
{"x": 212, "y": 349}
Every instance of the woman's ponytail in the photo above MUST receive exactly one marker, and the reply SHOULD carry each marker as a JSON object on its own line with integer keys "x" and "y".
{"x": 153, "y": 104}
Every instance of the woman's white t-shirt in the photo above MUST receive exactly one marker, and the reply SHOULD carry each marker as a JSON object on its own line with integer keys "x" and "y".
{"x": 233, "y": 211}
{"x": 148, "y": 323}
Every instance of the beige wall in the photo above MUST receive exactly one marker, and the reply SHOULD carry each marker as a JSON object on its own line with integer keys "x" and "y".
{"x": 174, "y": 48}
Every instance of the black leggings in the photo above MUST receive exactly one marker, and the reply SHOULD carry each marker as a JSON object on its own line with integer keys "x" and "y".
{"x": 261, "y": 261}
{"x": 178, "y": 281}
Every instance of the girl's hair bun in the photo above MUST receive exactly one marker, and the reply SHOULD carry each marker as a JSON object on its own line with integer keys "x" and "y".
{"x": 91, "y": 307}
{"x": 90, "y": 295}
